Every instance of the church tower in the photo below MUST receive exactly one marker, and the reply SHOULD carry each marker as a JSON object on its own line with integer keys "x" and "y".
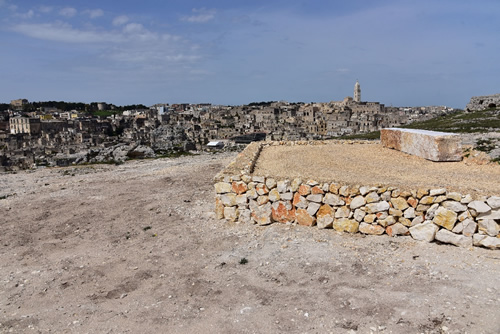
{"x": 357, "y": 92}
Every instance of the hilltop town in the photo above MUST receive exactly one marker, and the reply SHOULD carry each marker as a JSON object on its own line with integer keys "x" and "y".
{"x": 35, "y": 134}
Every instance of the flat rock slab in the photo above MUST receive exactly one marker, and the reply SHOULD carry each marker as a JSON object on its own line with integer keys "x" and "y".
{"x": 430, "y": 145}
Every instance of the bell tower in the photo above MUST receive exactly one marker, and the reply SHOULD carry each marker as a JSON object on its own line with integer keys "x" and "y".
{"x": 357, "y": 92}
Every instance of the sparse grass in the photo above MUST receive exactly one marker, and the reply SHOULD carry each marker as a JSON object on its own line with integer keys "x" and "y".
{"x": 485, "y": 145}
{"x": 368, "y": 136}
{"x": 243, "y": 261}
{"x": 146, "y": 228}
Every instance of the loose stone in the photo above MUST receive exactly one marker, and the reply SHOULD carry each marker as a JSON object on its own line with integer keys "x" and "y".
{"x": 357, "y": 202}
{"x": 333, "y": 200}
{"x": 449, "y": 237}
{"x": 346, "y": 225}
{"x": 397, "y": 229}
{"x": 493, "y": 202}
{"x": 304, "y": 218}
{"x": 479, "y": 206}
{"x": 488, "y": 226}
{"x": 223, "y": 187}
{"x": 315, "y": 198}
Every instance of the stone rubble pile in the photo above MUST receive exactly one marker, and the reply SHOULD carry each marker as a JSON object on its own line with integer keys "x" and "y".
{"x": 424, "y": 214}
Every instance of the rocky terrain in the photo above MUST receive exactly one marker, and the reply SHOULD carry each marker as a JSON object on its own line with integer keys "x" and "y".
{"x": 136, "y": 248}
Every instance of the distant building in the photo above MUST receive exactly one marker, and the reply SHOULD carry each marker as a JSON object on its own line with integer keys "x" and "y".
{"x": 19, "y": 103}
{"x": 483, "y": 102}
{"x": 357, "y": 92}
{"x": 24, "y": 125}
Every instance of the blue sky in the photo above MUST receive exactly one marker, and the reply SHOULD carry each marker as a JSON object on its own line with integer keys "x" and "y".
{"x": 404, "y": 53}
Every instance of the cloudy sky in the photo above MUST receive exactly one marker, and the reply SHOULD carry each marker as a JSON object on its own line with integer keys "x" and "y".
{"x": 403, "y": 52}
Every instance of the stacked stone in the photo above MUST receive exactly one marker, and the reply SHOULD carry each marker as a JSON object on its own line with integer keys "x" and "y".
{"x": 424, "y": 214}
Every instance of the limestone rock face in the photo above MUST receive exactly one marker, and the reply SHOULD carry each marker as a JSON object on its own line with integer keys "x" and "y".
{"x": 430, "y": 145}
{"x": 425, "y": 232}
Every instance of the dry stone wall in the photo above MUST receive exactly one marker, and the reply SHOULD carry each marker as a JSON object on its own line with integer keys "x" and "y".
{"x": 424, "y": 214}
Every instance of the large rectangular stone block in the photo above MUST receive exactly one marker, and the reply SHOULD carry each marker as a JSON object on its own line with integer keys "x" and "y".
{"x": 431, "y": 145}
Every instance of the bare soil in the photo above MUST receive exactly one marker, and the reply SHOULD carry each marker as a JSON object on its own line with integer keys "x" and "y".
{"x": 135, "y": 248}
{"x": 371, "y": 163}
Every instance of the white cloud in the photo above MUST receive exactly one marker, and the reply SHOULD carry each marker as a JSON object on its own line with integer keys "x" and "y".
{"x": 68, "y": 12}
{"x": 201, "y": 15}
{"x": 28, "y": 15}
{"x": 45, "y": 9}
{"x": 63, "y": 32}
{"x": 120, "y": 20}
{"x": 93, "y": 13}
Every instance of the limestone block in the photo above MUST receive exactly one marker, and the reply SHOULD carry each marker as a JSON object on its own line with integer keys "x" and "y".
{"x": 427, "y": 200}
{"x": 470, "y": 227}
{"x": 466, "y": 199}
{"x": 494, "y": 202}
{"x": 488, "y": 226}
{"x": 317, "y": 190}
{"x": 449, "y": 237}
{"x": 454, "y": 196}
{"x": 342, "y": 212}
{"x": 431, "y": 212}
{"x": 239, "y": 187}
{"x": 274, "y": 195}
{"x": 304, "y": 190}
{"x": 493, "y": 214}
{"x": 371, "y": 229}
{"x": 288, "y": 196}
{"x": 312, "y": 208}
{"x": 231, "y": 213}
{"x": 333, "y": 200}
{"x": 413, "y": 202}
{"x": 334, "y": 188}
{"x": 390, "y": 220}
{"x": 261, "y": 214}
{"x": 325, "y": 216}
{"x": 357, "y": 202}
{"x": 241, "y": 200}
{"x": 445, "y": 218}
{"x": 258, "y": 179}
{"x": 372, "y": 197}
{"x": 283, "y": 212}
{"x": 228, "y": 199}
{"x": 219, "y": 208}
{"x": 270, "y": 183}
{"x": 424, "y": 232}
{"x": 245, "y": 216}
{"x": 304, "y": 218}
{"x": 252, "y": 194}
{"x": 405, "y": 221}
{"x": 421, "y": 192}
{"x": 282, "y": 186}
{"x": 397, "y": 229}
{"x": 299, "y": 201}
{"x": 417, "y": 220}
{"x": 359, "y": 215}
{"x": 459, "y": 227}
{"x": 409, "y": 213}
{"x": 312, "y": 183}
{"x": 318, "y": 198}
{"x": 440, "y": 199}
{"x": 370, "y": 218}
{"x": 437, "y": 192}
{"x": 430, "y": 145}
{"x": 222, "y": 187}
{"x": 294, "y": 186}
{"x": 261, "y": 189}
{"x": 395, "y": 212}
{"x": 346, "y": 225}
{"x": 454, "y": 206}
{"x": 377, "y": 207}
{"x": 486, "y": 241}
{"x": 479, "y": 206}
{"x": 261, "y": 200}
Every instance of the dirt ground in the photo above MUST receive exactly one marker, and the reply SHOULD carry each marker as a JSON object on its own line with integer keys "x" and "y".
{"x": 136, "y": 249}
{"x": 370, "y": 164}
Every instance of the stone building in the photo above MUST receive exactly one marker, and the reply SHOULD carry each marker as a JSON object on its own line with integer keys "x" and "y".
{"x": 483, "y": 102}
{"x": 357, "y": 92}
{"x": 24, "y": 125}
